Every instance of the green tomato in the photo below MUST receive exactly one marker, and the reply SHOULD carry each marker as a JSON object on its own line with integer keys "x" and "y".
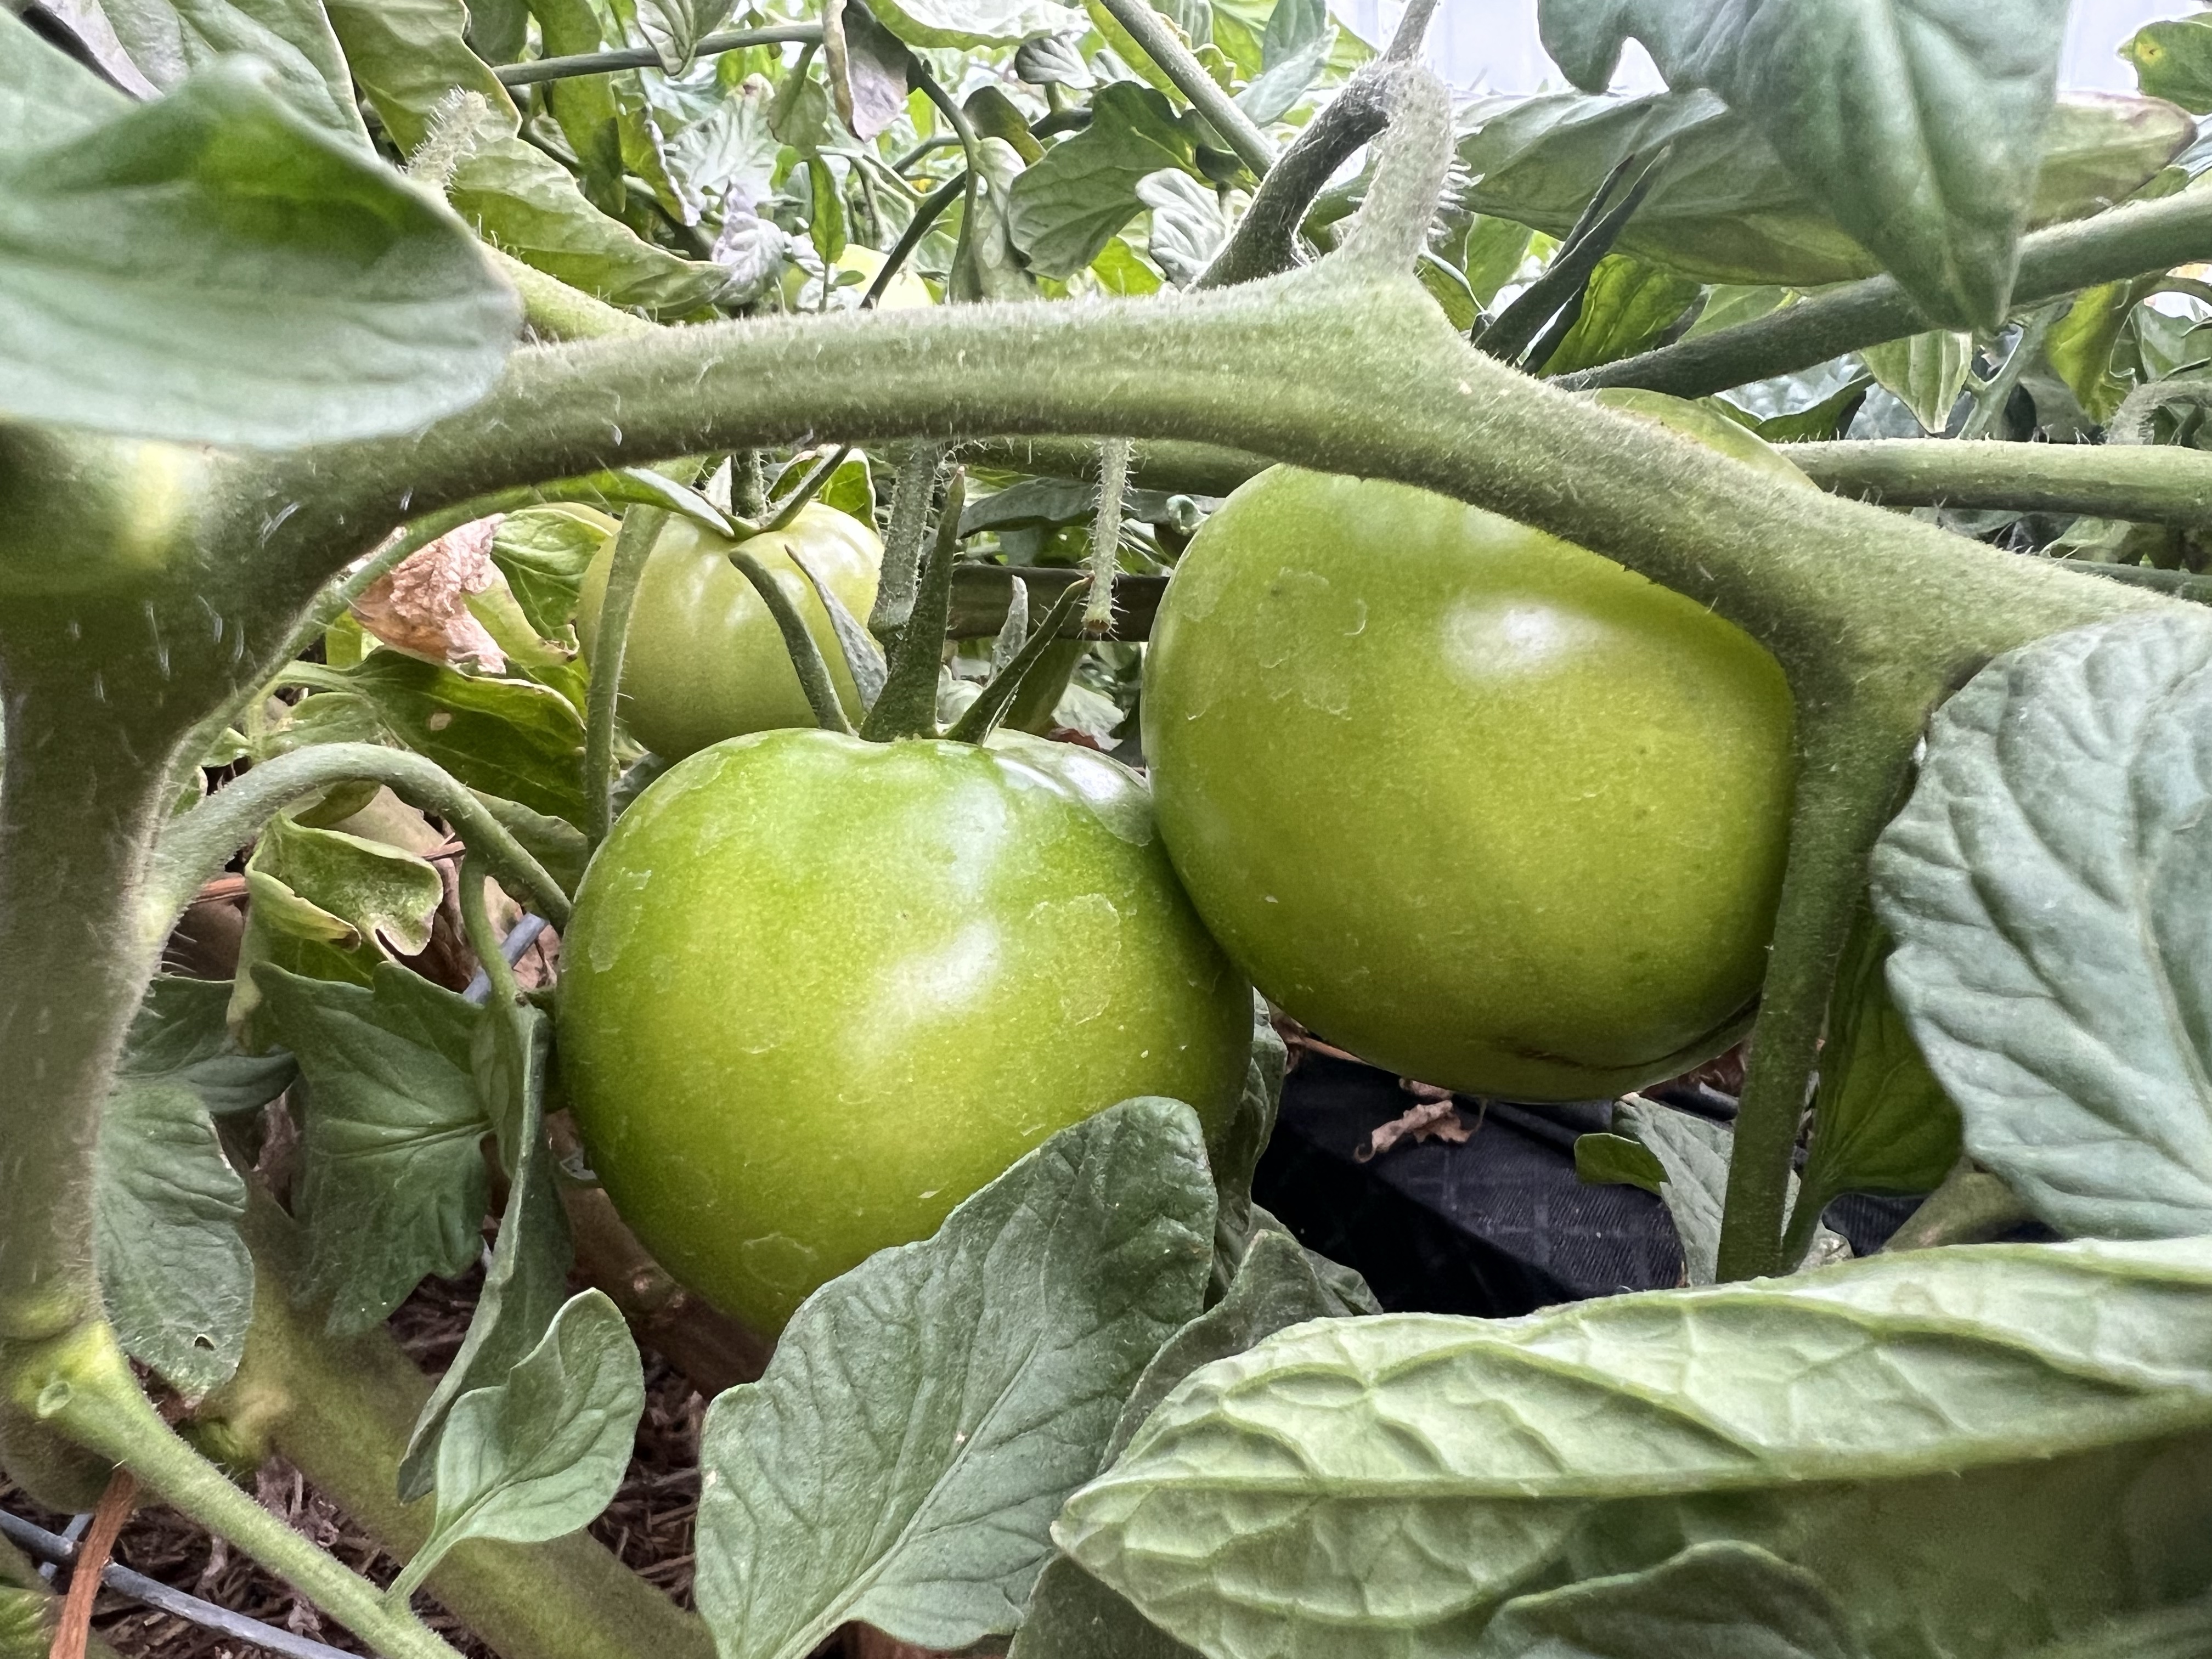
{"x": 817, "y": 991}
{"x": 1473, "y": 802}
{"x": 704, "y": 659}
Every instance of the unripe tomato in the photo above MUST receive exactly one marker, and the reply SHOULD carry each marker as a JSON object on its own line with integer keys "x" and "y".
{"x": 817, "y": 991}
{"x": 704, "y": 659}
{"x": 1474, "y": 802}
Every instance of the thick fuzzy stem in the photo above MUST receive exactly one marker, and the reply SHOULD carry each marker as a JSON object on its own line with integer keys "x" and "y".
{"x": 2158, "y": 483}
{"x": 342, "y": 1410}
{"x": 1854, "y": 750}
{"x": 2126, "y": 242}
{"x": 634, "y": 544}
{"x": 82, "y": 1386}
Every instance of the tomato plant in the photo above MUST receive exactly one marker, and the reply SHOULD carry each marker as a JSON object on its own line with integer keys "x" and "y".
{"x": 384, "y": 393}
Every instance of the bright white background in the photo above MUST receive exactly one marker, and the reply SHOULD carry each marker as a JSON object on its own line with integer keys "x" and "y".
{"x": 1491, "y": 45}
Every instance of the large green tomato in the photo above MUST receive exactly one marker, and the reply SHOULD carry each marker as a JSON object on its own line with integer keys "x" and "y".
{"x": 704, "y": 659}
{"x": 1476, "y": 803}
{"x": 817, "y": 991}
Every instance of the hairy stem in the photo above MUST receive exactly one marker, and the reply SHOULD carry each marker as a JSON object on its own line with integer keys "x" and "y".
{"x": 1970, "y": 1206}
{"x": 197, "y": 845}
{"x": 2142, "y": 236}
{"x": 340, "y": 1409}
{"x": 82, "y": 1386}
{"x": 605, "y": 62}
{"x": 798, "y": 643}
{"x": 1106, "y": 535}
{"x": 634, "y": 544}
{"x": 1266, "y": 240}
{"x": 1854, "y": 752}
{"x": 2157, "y": 483}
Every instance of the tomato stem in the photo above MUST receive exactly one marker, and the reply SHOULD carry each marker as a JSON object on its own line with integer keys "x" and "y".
{"x": 982, "y": 717}
{"x": 634, "y": 544}
{"x": 910, "y": 503}
{"x": 806, "y": 660}
{"x": 1106, "y": 535}
{"x": 82, "y": 1386}
{"x": 1161, "y": 42}
{"x": 1854, "y": 757}
{"x": 2124, "y": 242}
{"x": 906, "y": 706}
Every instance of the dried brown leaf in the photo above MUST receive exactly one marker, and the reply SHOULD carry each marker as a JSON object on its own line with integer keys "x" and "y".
{"x": 421, "y": 607}
{"x": 1427, "y": 1120}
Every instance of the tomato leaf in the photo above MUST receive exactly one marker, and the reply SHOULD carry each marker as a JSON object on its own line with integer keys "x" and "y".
{"x": 1063, "y": 211}
{"x": 1626, "y": 305}
{"x": 1073, "y": 1616}
{"x": 1723, "y": 207}
{"x": 1924, "y": 372}
{"x": 2173, "y": 59}
{"x": 925, "y": 1414}
{"x": 1823, "y": 1417}
{"x": 1882, "y": 1122}
{"x": 2047, "y": 888}
{"x": 214, "y": 267}
{"x": 505, "y": 737}
{"x": 974, "y": 22}
{"x": 1188, "y": 226}
{"x": 1721, "y": 1600}
{"x": 166, "y": 41}
{"x": 528, "y": 1278}
{"x": 175, "y": 1277}
{"x": 1918, "y": 122}
{"x": 537, "y": 1456}
{"x": 410, "y": 57}
{"x": 393, "y": 1186}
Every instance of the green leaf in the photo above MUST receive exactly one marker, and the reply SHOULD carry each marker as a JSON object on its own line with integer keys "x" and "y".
{"x": 2079, "y": 345}
{"x": 1286, "y": 79}
{"x": 2172, "y": 60}
{"x": 505, "y": 737}
{"x": 539, "y": 1455}
{"x": 1719, "y": 1601}
{"x": 176, "y": 1277}
{"x": 992, "y": 267}
{"x": 1883, "y": 1123}
{"x": 328, "y": 905}
{"x": 25, "y": 1631}
{"x": 825, "y": 224}
{"x": 173, "y": 1272}
{"x": 2047, "y": 886}
{"x": 392, "y": 1185}
{"x": 1275, "y": 1287}
{"x": 1723, "y": 209}
{"x": 673, "y": 28}
{"x": 968, "y": 23}
{"x": 180, "y": 1035}
{"x": 528, "y": 1278}
{"x": 2181, "y": 1632}
{"x": 1919, "y": 122}
{"x": 1492, "y": 254}
{"x": 1073, "y": 1616}
{"x": 1188, "y": 226}
{"x": 1728, "y": 305}
{"x": 1063, "y": 211}
{"x": 1968, "y": 1445}
{"x": 166, "y": 41}
{"x": 46, "y": 97}
{"x": 216, "y": 268}
{"x": 1923, "y": 372}
{"x": 925, "y": 1414}
{"x": 1627, "y": 306}
{"x": 410, "y": 57}
{"x": 1682, "y": 1158}
{"x": 1292, "y": 27}
{"x": 1815, "y": 424}
{"x": 543, "y": 551}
